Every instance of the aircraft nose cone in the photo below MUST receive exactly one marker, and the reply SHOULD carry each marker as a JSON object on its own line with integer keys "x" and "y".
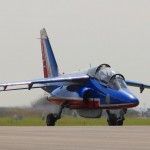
{"x": 134, "y": 100}
{"x": 129, "y": 98}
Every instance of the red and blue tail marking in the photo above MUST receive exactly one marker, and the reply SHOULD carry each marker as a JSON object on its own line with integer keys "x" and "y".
{"x": 50, "y": 67}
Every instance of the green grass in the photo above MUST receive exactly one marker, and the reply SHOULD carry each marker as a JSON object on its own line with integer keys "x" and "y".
{"x": 137, "y": 121}
{"x": 100, "y": 122}
{"x": 69, "y": 121}
{"x": 29, "y": 121}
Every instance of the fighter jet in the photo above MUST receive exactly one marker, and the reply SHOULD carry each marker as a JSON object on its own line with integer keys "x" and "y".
{"x": 89, "y": 92}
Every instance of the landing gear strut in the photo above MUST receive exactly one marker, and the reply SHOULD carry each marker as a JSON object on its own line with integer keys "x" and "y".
{"x": 52, "y": 118}
{"x": 113, "y": 120}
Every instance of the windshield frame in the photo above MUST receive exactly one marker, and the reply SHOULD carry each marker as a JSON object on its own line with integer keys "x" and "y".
{"x": 117, "y": 82}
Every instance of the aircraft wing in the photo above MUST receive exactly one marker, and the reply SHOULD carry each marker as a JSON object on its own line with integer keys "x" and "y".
{"x": 137, "y": 84}
{"x": 45, "y": 82}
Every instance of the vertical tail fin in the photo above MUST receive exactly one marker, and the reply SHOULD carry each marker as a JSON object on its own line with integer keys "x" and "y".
{"x": 50, "y": 67}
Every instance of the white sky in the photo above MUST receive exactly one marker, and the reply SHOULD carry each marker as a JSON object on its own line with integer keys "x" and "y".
{"x": 81, "y": 32}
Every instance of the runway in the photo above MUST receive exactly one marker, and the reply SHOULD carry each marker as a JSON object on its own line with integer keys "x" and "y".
{"x": 75, "y": 138}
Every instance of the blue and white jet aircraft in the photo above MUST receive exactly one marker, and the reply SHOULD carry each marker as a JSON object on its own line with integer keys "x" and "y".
{"x": 89, "y": 92}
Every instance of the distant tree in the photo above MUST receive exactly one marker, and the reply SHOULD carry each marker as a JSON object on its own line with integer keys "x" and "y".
{"x": 40, "y": 102}
{"x": 43, "y": 104}
{"x": 133, "y": 113}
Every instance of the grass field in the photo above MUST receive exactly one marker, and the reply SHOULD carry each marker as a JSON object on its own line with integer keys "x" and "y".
{"x": 68, "y": 121}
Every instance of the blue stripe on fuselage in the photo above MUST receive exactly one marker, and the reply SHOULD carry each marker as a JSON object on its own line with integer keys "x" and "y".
{"x": 51, "y": 57}
{"x": 122, "y": 96}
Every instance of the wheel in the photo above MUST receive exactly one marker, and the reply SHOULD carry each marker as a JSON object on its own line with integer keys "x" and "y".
{"x": 50, "y": 120}
{"x": 112, "y": 120}
{"x": 120, "y": 121}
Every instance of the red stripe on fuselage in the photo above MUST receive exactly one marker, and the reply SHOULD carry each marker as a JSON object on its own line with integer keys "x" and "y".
{"x": 77, "y": 103}
{"x": 92, "y": 104}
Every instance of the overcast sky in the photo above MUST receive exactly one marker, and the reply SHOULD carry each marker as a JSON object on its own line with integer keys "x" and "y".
{"x": 81, "y": 32}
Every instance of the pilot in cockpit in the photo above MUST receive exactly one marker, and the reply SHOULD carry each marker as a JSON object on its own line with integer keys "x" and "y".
{"x": 107, "y": 75}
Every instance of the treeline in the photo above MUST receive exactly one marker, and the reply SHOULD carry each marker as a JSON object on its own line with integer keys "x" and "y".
{"x": 20, "y": 112}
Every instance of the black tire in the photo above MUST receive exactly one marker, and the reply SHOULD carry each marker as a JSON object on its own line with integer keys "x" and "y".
{"x": 112, "y": 120}
{"x": 120, "y": 121}
{"x": 50, "y": 120}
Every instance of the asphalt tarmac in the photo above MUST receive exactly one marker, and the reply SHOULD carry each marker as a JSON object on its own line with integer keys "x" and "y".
{"x": 75, "y": 138}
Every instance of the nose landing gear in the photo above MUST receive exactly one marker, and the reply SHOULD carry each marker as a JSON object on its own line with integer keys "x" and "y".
{"x": 113, "y": 120}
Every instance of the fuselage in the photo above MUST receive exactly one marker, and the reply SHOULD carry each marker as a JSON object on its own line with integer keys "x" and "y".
{"x": 105, "y": 89}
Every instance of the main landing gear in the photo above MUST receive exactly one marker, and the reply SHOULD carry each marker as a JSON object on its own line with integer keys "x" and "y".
{"x": 52, "y": 118}
{"x": 113, "y": 120}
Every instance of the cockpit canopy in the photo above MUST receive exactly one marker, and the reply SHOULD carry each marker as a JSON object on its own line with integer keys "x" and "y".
{"x": 104, "y": 73}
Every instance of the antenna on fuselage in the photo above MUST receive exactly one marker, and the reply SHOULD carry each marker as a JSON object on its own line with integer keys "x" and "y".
{"x": 90, "y": 65}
